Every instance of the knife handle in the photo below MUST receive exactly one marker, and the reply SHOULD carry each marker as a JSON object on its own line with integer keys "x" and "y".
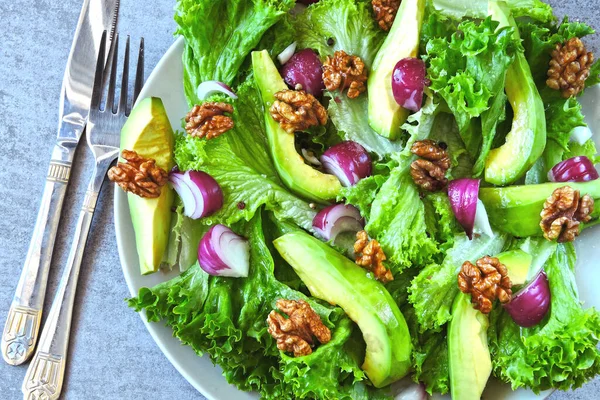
{"x": 45, "y": 375}
{"x": 23, "y": 322}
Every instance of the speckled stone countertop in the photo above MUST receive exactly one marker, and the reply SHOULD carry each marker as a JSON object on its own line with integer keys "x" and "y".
{"x": 112, "y": 356}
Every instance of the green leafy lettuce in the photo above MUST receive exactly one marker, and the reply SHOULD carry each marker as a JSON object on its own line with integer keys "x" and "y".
{"x": 239, "y": 161}
{"x": 397, "y": 214}
{"x": 561, "y": 352}
{"x": 430, "y": 355}
{"x": 467, "y": 68}
{"x": 220, "y": 34}
{"x": 347, "y": 25}
{"x": 534, "y": 9}
{"x": 225, "y": 318}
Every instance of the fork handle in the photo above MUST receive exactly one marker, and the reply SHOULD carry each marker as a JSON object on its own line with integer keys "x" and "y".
{"x": 23, "y": 322}
{"x": 45, "y": 374}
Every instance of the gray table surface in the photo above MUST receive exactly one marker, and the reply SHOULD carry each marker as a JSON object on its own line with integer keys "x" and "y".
{"x": 112, "y": 356}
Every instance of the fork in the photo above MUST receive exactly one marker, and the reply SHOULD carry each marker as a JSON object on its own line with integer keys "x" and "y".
{"x": 45, "y": 375}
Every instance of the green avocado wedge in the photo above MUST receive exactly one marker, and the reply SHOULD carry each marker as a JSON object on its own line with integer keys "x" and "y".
{"x": 148, "y": 132}
{"x": 517, "y": 263}
{"x": 516, "y": 209}
{"x": 385, "y": 115}
{"x": 298, "y": 176}
{"x": 332, "y": 277}
{"x": 469, "y": 358}
{"x": 527, "y": 138}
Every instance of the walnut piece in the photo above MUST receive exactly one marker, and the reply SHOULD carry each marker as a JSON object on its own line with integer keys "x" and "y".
{"x": 562, "y": 213}
{"x": 208, "y": 120}
{"x": 429, "y": 171}
{"x": 569, "y": 67}
{"x": 295, "y": 333}
{"x": 138, "y": 175}
{"x": 370, "y": 256}
{"x": 486, "y": 282}
{"x": 296, "y": 110}
{"x": 343, "y": 72}
{"x": 385, "y": 12}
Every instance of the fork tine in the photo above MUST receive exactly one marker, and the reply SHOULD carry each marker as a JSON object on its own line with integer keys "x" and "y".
{"x": 124, "y": 81}
{"x": 98, "y": 86}
{"x": 110, "y": 98}
{"x": 139, "y": 74}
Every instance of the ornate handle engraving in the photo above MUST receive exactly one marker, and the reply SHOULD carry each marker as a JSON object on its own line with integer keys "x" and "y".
{"x": 44, "y": 377}
{"x": 20, "y": 333}
{"x": 59, "y": 171}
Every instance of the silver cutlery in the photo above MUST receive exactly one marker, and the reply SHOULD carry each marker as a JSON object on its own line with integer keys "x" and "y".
{"x": 45, "y": 375}
{"x": 23, "y": 321}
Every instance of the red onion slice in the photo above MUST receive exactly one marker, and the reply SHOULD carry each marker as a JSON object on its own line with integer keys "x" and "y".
{"x": 287, "y": 53}
{"x": 337, "y": 218}
{"x": 576, "y": 169}
{"x": 200, "y": 193}
{"x": 208, "y": 88}
{"x": 530, "y": 305}
{"x": 463, "y": 195}
{"x": 305, "y": 69}
{"x": 348, "y": 161}
{"x": 222, "y": 252}
{"x": 408, "y": 83}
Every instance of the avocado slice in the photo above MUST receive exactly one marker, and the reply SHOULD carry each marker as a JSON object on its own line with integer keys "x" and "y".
{"x": 332, "y": 277}
{"x": 148, "y": 132}
{"x": 385, "y": 115}
{"x": 516, "y": 209}
{"x": 470, "y": 363}
{"x": 298, "y": 176}
{"x": 517, "y": 263}
{"x": 527, "y": 138}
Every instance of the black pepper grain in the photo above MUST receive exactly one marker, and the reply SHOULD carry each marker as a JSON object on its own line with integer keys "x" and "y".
{"x": 241, "y": 205}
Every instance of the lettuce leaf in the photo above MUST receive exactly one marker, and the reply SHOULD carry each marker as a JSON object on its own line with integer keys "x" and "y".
{"x": 225, "y": 317}
{"x": 433, "y": 290}
{"x": 430, "y": 355}
{"x": 587, "y": 149}
{"x": 559, "y": 353}
{"x": 349, "y": 26}
{"x": 440, "y": 220}
{"x": 534, "y": 9}
{"x": 348, "y": 23}
{"x": 239, "y": 161}
{"x": 220, "y": 34}
{"x": 397, "y": 216}
{"x": 468, "y": 71}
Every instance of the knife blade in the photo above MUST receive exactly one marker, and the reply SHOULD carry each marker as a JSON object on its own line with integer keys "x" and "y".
{"x": 24, "y": 317}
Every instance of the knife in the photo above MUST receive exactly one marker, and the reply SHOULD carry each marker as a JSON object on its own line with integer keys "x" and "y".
{"x": 24, "y": 317}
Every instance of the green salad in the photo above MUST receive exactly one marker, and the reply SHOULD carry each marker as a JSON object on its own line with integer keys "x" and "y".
{"x": 366, "y": 191}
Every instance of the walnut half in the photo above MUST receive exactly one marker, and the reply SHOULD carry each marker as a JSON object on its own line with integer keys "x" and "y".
{"x": 370, "y": 256}
{"x": 296, "y": 110}
{"x": 345, "y": 71}
{"x": 569, "y": 67}
{"x": 562, "y": 213}
{"x": 208, "y": 120}
{"x": 385, "y": 12}
{"x": 138, "y": 175}
{"x": 429, "y": 171}
{"x": 486, "y": 281}
{"x": 295, "y": 333}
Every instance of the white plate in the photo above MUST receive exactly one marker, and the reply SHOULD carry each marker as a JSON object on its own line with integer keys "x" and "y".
{"x": 166, "y": 82}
